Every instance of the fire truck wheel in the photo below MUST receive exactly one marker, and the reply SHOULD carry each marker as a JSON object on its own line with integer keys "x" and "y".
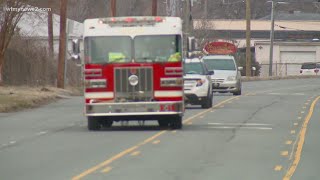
{"x": 176, "y": 122}
{"x": 93, "y": 123}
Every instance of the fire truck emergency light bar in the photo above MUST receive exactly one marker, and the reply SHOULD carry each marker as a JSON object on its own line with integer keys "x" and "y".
{"x": 131, "y": 20}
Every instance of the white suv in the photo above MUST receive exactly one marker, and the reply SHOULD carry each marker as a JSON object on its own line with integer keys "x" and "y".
{"x": 197, "y": 83}
{"x": 310, "y": 69}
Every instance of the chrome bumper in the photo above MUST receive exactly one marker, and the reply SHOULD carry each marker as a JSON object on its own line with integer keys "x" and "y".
{"x": 134, "y": 108}
{"x": 225, "y": 87}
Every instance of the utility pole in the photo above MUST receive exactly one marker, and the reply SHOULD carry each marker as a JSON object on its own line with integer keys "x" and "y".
{"x": 205, "y": 9}
{"x": 187, "y": 16}
{"x": 271, "y": 38}
{"x": 248, "y": 38}
{"x": 50, "y": 41}
{"x": 50, "y": 31}
{"x": 154, "y": 7}
{"x": 113, "y": 8}
{"x": 62, "y": 43}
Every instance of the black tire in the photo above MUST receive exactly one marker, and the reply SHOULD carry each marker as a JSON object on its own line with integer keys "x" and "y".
{"x": 94, "y": 123}
{"x": 237, "y": 93}
{"x": 211, "y": 102}
{"x": 176, "y": 122}
{"x": 207, "y": 103}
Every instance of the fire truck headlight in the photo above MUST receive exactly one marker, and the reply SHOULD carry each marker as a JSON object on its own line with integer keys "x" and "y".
{"x": 96, "y": 83}
{"x": 171, "y": 82}
{"x": 133, "y": 80}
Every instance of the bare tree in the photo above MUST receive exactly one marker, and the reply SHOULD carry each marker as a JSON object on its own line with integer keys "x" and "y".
{"x": 10, "y": 14}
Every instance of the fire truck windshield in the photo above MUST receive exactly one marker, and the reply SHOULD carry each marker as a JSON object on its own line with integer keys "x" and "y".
{"x": 108, "y": 49}
{"x": 122, "y": 49}
{"x": 157, "y": 48}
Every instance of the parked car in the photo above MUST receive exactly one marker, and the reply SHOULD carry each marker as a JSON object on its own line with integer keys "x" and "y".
{"x": 197, "y": 83}
{"x": 310, "y": 68}
{"x": 227, "y": 76}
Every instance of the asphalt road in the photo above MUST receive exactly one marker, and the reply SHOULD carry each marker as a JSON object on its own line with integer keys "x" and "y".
{"x": 270, "y": 132}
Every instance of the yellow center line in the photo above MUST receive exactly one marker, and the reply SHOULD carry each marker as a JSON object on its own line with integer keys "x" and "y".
{"x": 288, "y": 142}
{"x": 302, "y": 135}
{"x": 156, "y": 142}
{"x": 106, "y": 170}
{"x": 278, "y": 168}
{"x": 284, "y": 153}
{"x": 135, "y": 153}
{"x": 131, "y": 149}
{"x": 104, "y": 163}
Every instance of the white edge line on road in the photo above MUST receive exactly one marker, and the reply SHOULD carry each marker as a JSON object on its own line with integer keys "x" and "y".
{"x": 240, "y": 124}
{"x": 42, "y": 133}
{"x": 234, "y": 127}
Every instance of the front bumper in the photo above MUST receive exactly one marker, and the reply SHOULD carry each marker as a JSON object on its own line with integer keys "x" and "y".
{"x": 134, "y": 108}
{"x": 194, "y": 99}
{"x": 226, "y": 86}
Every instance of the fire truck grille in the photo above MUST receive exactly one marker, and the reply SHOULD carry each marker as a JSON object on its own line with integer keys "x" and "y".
{"x": 126, "y": 92}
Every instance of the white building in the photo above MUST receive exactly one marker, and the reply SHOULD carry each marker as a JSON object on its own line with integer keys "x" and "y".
{"x": 287, "y": 56}
{"x": 293, "y": 44}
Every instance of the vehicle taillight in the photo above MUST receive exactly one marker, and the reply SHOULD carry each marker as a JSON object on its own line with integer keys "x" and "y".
{"x": 158, "y": 19}
{"x": 130, "y": 20}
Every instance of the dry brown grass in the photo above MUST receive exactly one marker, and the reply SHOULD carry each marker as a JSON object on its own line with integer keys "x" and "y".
{"x": 14, "y": 98}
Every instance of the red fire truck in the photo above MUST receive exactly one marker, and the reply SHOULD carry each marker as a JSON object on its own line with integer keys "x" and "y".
{"x": 133, "y": 70}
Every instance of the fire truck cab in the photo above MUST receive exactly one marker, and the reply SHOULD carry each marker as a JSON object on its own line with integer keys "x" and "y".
{"x": 133, "y": 70}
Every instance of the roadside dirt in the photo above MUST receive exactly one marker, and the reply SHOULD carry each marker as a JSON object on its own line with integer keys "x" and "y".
{"x": 15, "y": 98}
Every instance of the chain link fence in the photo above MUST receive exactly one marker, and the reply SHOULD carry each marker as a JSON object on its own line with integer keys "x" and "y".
{"x": 281, "y": 69}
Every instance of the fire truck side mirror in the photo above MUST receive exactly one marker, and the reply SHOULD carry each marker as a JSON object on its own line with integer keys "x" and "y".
{"x": 76, "y": 50}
